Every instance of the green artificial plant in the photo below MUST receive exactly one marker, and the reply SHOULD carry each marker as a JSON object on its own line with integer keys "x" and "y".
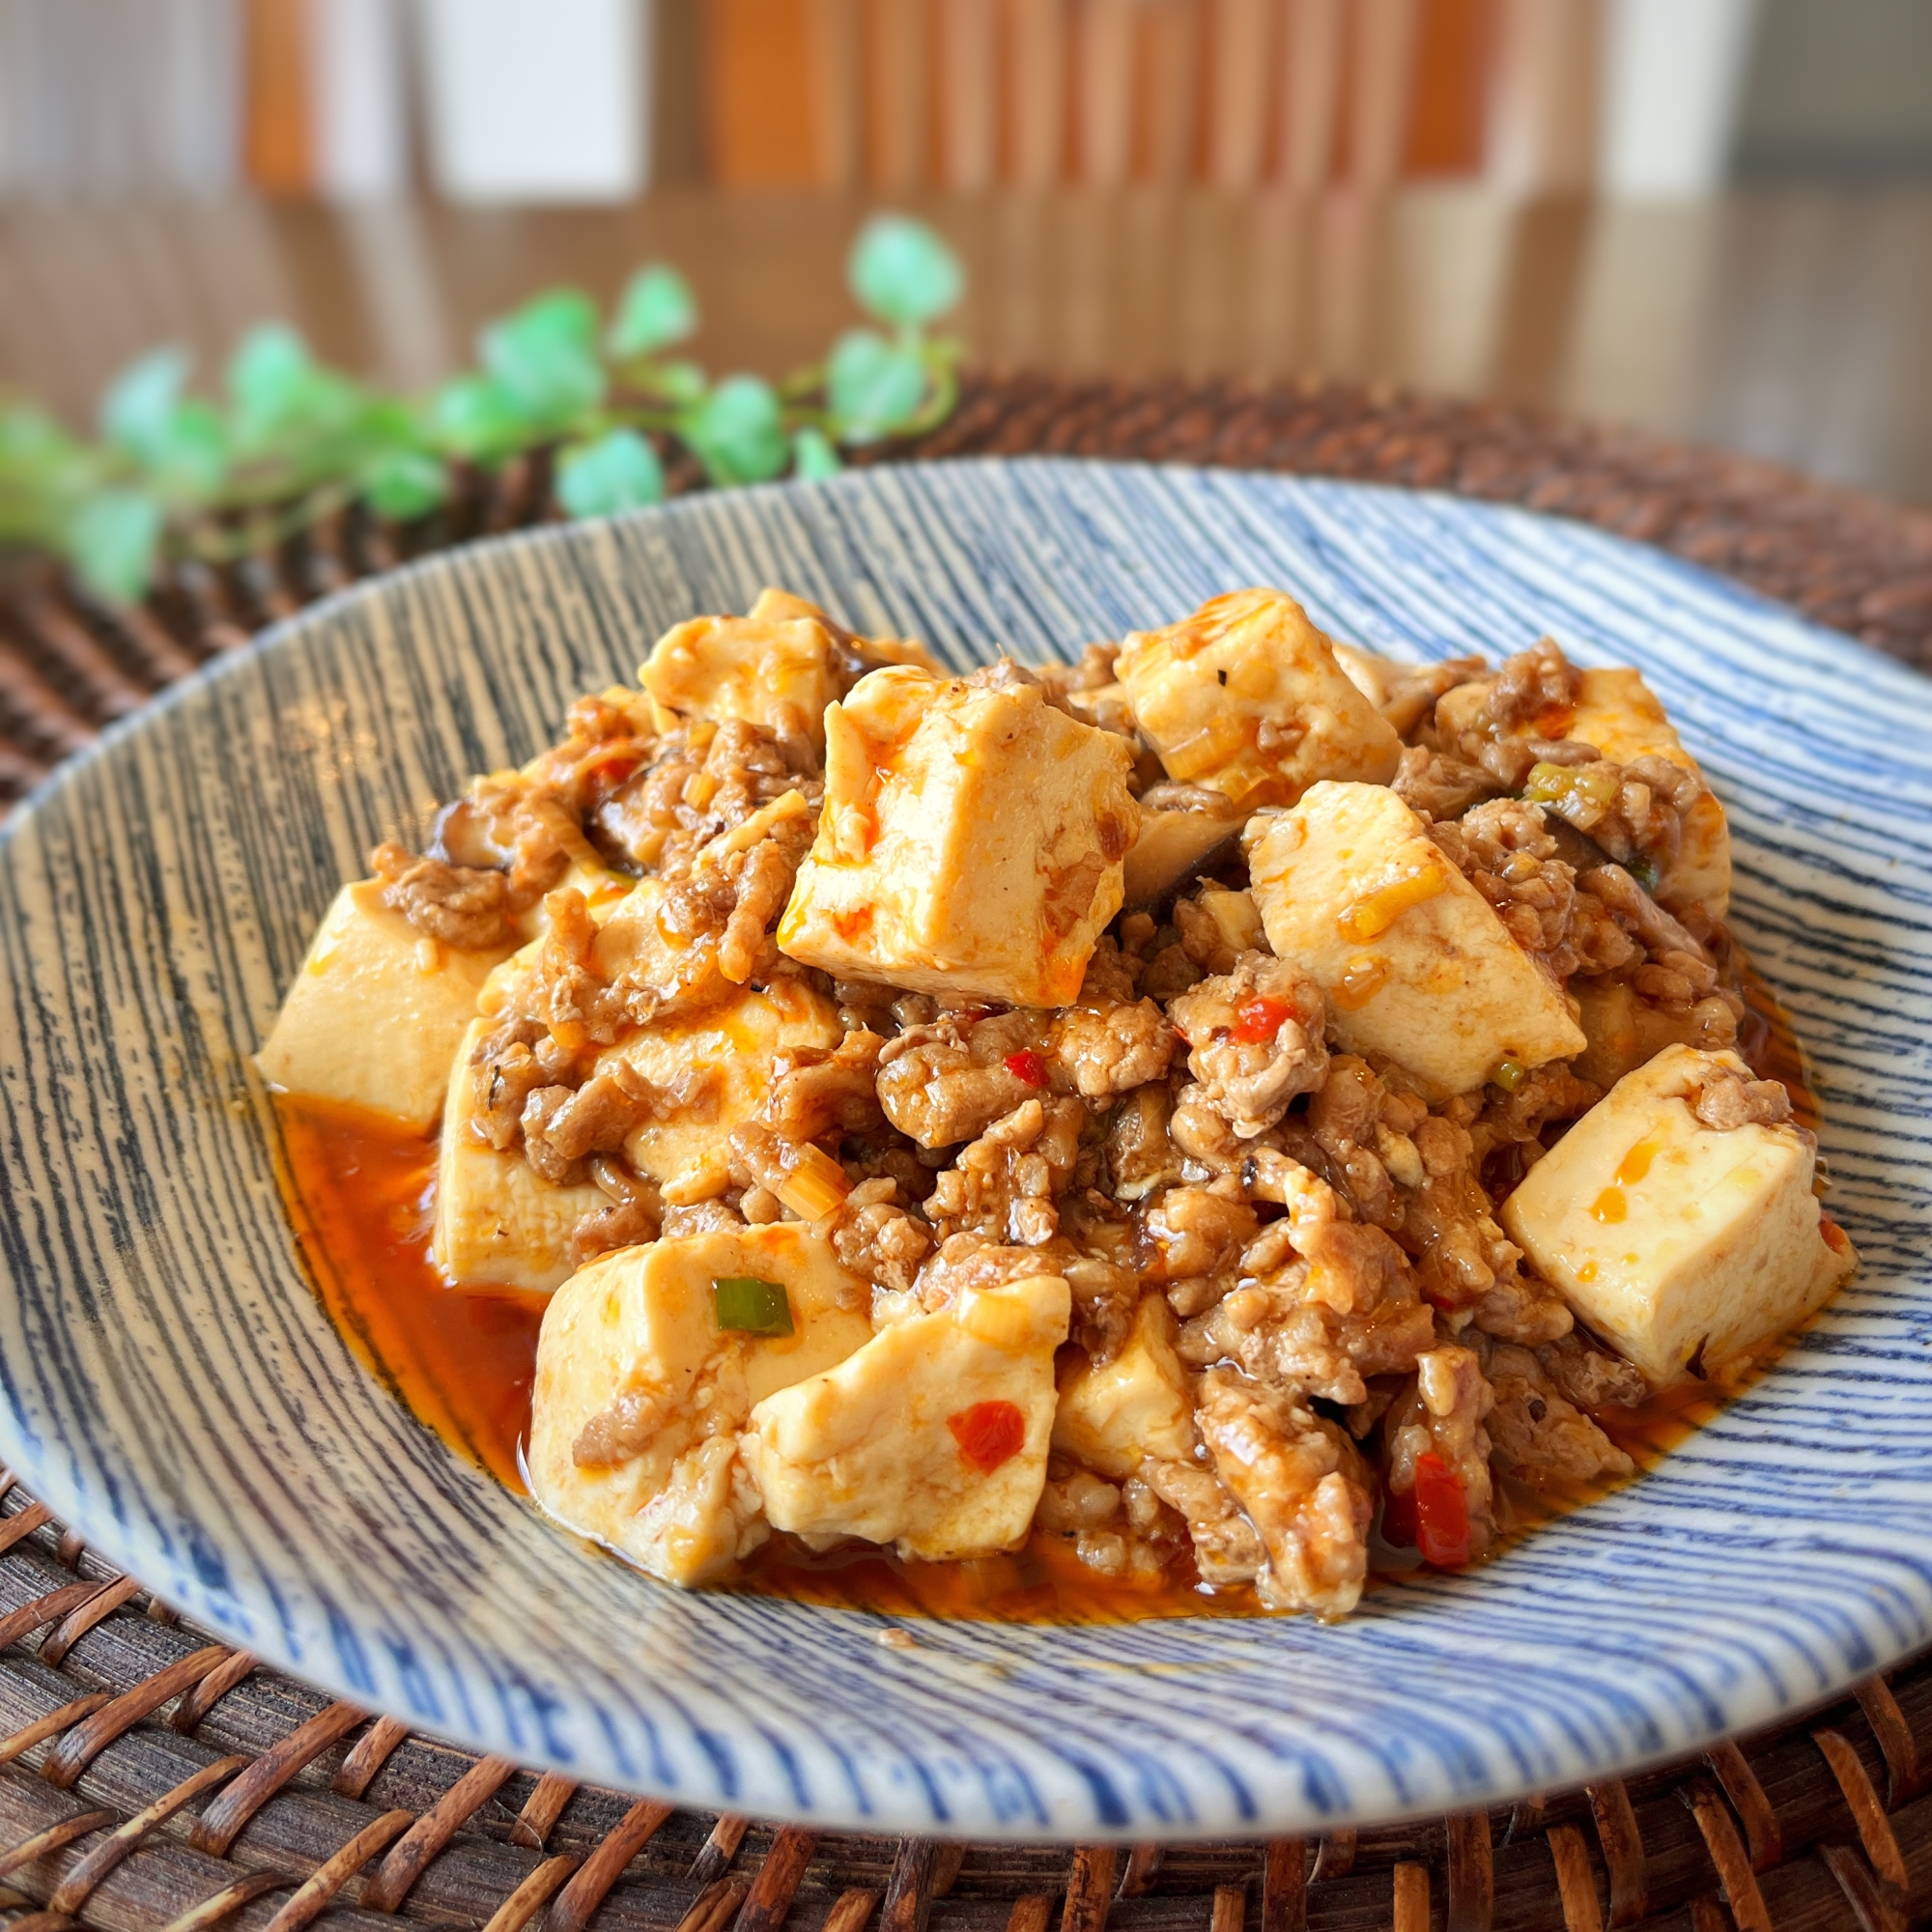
{"x": 174, "y": 473}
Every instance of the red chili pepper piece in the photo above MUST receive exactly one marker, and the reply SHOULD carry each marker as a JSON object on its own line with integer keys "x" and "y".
{"x": 988, "y": 1433}
{"x": 1026, "y": 1065}
{"x": 1441, "y": 1514}
{"x": 1261, "y": 1017}
{"x": 1399, "y": 1518}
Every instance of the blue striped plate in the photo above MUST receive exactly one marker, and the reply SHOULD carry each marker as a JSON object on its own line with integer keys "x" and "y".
{"x": 173, "y": 1388}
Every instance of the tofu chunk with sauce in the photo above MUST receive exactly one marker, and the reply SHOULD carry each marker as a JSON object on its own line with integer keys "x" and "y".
{"x": 718, "y": 1060}
{"x": 1681, "y": 1243}
{"x": 932, "y": 1438}
{"x": 1246, "y": 698}
{"x": 971, "y": 841}
{"x": 374, "y": 1013}
{"x": 1413, "y": 961}
{"x": 499, "y": 1222}
{"x": 1115, "y": 1415}
{"x": 1622, "y": 717}
{"x": 778, "y": 671}
{"x": 641, "y": 1390}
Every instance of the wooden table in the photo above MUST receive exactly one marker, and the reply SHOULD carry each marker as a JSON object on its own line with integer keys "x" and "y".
{"x": 1792, "y": 323}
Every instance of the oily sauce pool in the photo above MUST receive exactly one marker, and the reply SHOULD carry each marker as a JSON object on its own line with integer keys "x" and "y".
{"x": 361, "y": 1193}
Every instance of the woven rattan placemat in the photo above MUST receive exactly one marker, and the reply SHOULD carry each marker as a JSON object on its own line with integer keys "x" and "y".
{"x": 153, "y": 1780}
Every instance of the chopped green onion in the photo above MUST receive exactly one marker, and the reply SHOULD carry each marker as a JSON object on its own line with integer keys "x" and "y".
{"x": 1509, "y": 1075}
{"x": 751, "y": 1306}
{"x": 1643, "y": 869}
{"x": 1547, "y": 784}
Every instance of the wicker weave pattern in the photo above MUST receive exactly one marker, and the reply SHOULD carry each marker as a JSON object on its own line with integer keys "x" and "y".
{"x": 152, "y": 1780}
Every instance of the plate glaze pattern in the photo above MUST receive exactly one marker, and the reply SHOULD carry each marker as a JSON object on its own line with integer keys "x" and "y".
{"x": 169, "y": 1383}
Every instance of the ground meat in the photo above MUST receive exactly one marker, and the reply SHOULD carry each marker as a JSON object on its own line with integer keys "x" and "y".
{"x": 1444, "y": 1415}
{"x": 1534, "y": 1431}
{"x": 632, "y": 1217}
{"x": 874, "y": 1235}
{"x": 1548, "y": 1092}
{"x": 1591, "y": 1378}
{"x": 1518, "y": 1309}
{"x": 1634, "y": 812}
{"x": 1358, "y": 1135}
{"x": 1140, "y": 1155}
{"x": 1107, "y": 1050}
{"x": 623, "y": 1428}
{"x": 471, "y": 909}
{"x": 1299, "y": 1481}
{"x": 1113, "y": 976}
{"x": 1448, "y": 1224}
{"x": 700, "y": 782}
{"x": 701, "y": 1217}
{"x": 1255, "y": 1041}
{"x": 1007, "y": 1182}
{"x": 1535, "y": 688}
{"x": 1658, "y": 930}
{"x": 1190, "y": 1241}
{"x": 1322, "y": 1324}
{"x": 1506, "y": 852}
{"x": 1117, "y": 1530}
{"x": 561, "y": 1126}
{"x": 1169, "y": 972}
{"x": 948, "y": 1081}
{"x": 1433, "y": 784}
{"x": 1227, "y": 1550}
{"x": 508, "y": 1065}
{"x": 815, "y": 1093}
{"x": 1726, "y": 1097}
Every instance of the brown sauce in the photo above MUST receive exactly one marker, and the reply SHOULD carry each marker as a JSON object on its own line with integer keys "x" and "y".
{"x": 360, "y": 1193}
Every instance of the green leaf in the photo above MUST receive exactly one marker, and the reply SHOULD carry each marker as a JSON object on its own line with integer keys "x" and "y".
{"x": 813, "y": 455}
{"x": 113, "y": 541}
{"x": 268, "y": 378}
{"x": 656, "y": 309}
{"x": 903, "y": 272}
{"x": 544, "y": 358}
{"x": 177, "y": 439}
{"x": 619, "y": 472}
{"x": 404, "y": 483}
{"x": 737, "y": 431}
{"x": 476, "y": 416}
{"x": 873, "y": 386}
{"x": 138, "y": 411}
{"x": 681, "y": 383}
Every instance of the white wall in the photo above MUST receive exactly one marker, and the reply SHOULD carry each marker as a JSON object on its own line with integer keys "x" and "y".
{"x": 536, "y": 100}
{"x": 1673, "y": 81}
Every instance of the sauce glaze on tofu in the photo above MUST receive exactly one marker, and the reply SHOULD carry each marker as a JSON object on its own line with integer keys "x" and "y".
{"x": 1237, "y": 1111}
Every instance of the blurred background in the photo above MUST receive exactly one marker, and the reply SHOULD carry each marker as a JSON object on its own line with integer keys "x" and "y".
{"x": 1710, "y": 217}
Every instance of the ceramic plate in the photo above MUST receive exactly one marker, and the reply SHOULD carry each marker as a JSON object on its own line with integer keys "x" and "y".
{"x": 173, "y": 1388}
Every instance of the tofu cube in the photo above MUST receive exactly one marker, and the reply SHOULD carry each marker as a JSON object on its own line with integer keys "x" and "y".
{"x": 1623, "y": 718}
{"x": 1113, "y": 1416}
{"x": 498, "y": 1223}
{"x": 778, "y": 671}
{"x": 1246, "y": 698}
{"x": 1675, "y": 1241}
{"x": 971, "y": 841}
{"x": 1412, "y": 959}
{"x": 374, "y": 1013}
{"x": 639, "y": 1394}
{"x": 932, "y": 1438}
{"x": 719, "y": 1059}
